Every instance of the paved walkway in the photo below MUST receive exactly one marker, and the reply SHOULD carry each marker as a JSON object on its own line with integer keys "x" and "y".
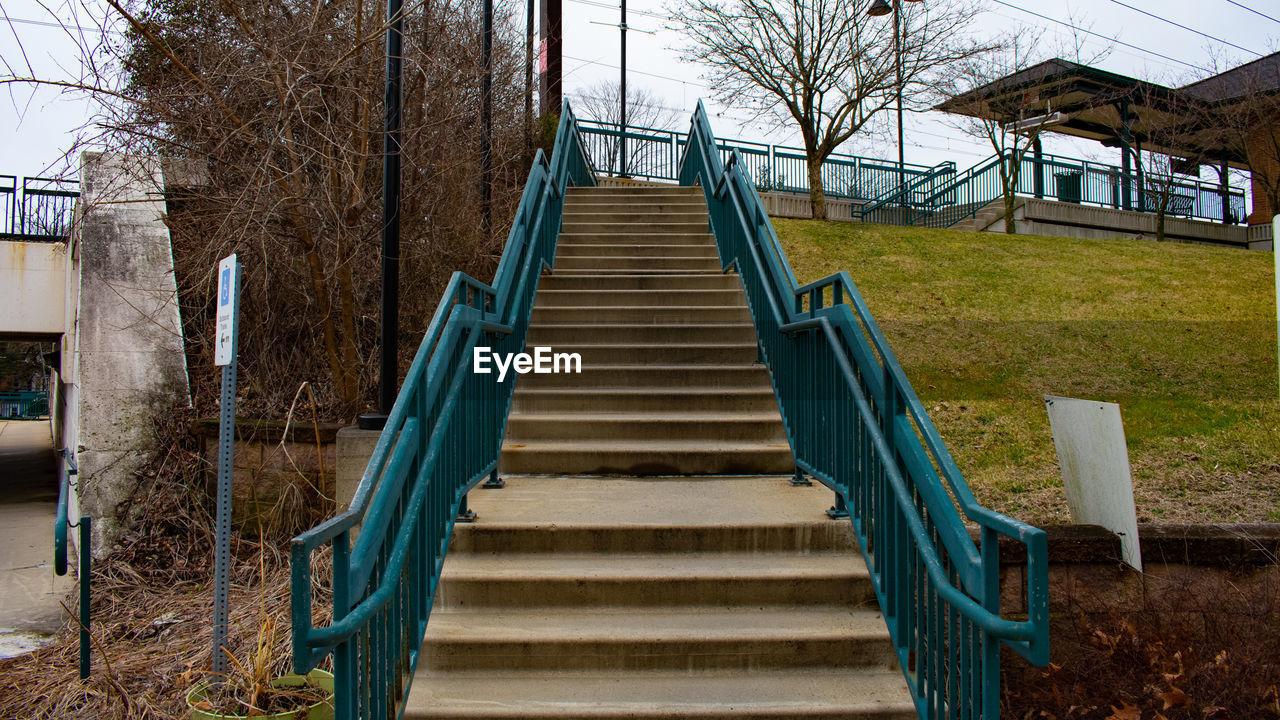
{"x": 29, "y": 591}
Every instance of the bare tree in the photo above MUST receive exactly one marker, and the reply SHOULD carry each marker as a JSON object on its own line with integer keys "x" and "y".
{"x": 824, "y": 65}
{"x": 280, "y": 103}
{"x": 1243, "y": 109}
{"x": 599, "y": 102}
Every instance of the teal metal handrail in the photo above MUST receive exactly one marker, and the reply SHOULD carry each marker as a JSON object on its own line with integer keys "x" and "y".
{"x": 856, "y": 425}
{"x": 24, "y": 404}
{"x": 442, "y": 437}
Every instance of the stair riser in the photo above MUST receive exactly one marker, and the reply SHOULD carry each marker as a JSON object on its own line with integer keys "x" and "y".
{"x": 595, "y": 355}
{"x": 530, "y": 460}
{"x": 593, "y": 226}
{"x": 647, "y": 205}
{"x": 638, "y": 298}
{"x": 553, "y": 401}
{"x": 632, "y": 216}
{"x": 666, "y": 334}
{"x": 641, "y": 315}
{"x": 691, "y": 655}
{"x": 639, "y": 265}
{"x": 716, "y": 592}
{"x": 576, "y": 711}
{"x": 525, "y": 428}
{"x": 587, "y": 283}
{"x": 638, "y": 194}
{"x": 595, "y": 376}
{"x": 813, "y": 537}
{"x": 702, "y": 238}
{"x": 638, "y": 250}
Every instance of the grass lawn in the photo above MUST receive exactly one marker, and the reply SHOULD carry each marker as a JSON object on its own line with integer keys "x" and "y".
{"x": 1183, "y": 337}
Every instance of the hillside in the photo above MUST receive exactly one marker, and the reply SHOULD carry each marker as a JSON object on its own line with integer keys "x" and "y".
{"x": 1183, "y": 337}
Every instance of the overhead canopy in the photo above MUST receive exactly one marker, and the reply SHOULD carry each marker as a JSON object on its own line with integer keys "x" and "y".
{"x": 1095, "y": 104}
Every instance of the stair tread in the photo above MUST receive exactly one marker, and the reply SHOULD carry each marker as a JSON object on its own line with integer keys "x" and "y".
{"x": 828, "y": 692}
{"x": 595, "y": 567}
{"x": 674, "y": 447}
{"x": 650, "y": 390}
{"x": 655, "y": 624}
{"x": 689, "y": 417}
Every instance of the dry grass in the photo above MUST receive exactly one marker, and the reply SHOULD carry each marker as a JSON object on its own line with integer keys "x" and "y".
{"x": 152, "y": 607}
{"x": 1181, "y": 336}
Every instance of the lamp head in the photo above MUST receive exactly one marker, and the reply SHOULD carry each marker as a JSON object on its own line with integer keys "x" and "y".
{"x": 879, "y": 8}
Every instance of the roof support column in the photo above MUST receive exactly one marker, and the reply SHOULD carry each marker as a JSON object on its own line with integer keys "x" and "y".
{"x": 1224, "y": 183}
{"x": 1037, "y": 151}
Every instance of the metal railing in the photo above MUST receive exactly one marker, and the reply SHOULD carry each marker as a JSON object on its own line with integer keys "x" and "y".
{"x": 856, "y": 425}
{"x": 37, "y": 209}
{"x": 655, "y": 155}
{"x": 1063, "y": 179}
{"x": 24, "y": 405}
{"x": 442, "y": 438}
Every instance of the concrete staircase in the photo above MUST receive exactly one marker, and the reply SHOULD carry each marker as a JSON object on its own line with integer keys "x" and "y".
{"x": 590, "y": 597}
{"x": 988, "y": 215}
{"x": 669, "y": 382}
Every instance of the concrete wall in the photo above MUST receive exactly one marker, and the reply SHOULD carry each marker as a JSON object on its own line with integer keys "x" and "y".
{"x": 123, "y": 355}
{"x": 1051, "y": 217}
{"x": 33, "y": 289}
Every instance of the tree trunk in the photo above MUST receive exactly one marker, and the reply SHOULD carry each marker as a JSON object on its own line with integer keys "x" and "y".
{"x": 1160, "y": 223}
{"x": 1008, "y": 183}
{"x": 817, "y": 199}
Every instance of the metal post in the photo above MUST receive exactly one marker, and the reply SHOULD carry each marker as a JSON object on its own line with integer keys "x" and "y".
{"x": 897, "y": 52}
{"x": 1126, "y": 183}
{"x": 1224, "y": 177}
{"x": 1037, "y": 150}
{"x": 486, "y": 121}
{"x": 622, "y": 99}
{"x": 388, "y": 370}
{"x": 222, "y": 522}
{"x": 528, "y": 81}
{"x": 86, "y": 557}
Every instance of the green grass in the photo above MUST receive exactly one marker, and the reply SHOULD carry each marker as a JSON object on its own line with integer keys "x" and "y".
{"x": 1182, "y": 336}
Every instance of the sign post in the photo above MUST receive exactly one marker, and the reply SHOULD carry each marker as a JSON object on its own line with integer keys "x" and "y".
{"x": 226, "y": 346}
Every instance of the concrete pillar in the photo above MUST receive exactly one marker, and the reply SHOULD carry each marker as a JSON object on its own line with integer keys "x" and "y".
{"x": 128, "y": 366}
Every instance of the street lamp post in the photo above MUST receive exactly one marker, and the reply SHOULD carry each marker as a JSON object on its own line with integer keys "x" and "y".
{"x": 880, "y": 8}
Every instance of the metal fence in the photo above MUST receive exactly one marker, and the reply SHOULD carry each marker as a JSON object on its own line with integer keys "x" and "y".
{"x": 36, "y": 208}
{"x": 24, "y": 405}
{"x": 653, "y": 154}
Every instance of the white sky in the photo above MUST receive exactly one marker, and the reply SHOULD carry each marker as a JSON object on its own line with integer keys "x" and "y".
{"x": 37, "y": 126}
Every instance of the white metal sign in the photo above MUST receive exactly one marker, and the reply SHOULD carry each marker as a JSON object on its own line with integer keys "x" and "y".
{"x": 228, "y": 286}
{"x": 1089, "y": 436}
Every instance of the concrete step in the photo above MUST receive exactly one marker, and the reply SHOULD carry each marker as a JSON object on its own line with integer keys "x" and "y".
{"x": 662, "y": 226}
{"x": 553, "y": 335}
{"x": 639, "y": 192}
{"x": 640, "y": 216}
{"x": 735, "y": 427}
{"x": 641, "y": 315}
{"x": 639, "y": 298}
{"x": 689, "y": 238}
{"x": 642, "y": 580}
{"x": 633, "y": 249}
{"x": 582, "y": 514}
{"x": 648, "y": 203}
{"x": 640, "y": 457}
{"x": 689, "y": 638}
{"x": 659, "y": 354}
{"x": 837, "y": 694}
{"x": 705, "y": 263}
{"x": 640, "y": 281}
{"x": 671, "y": 400}
{"x": 652, "y": 376}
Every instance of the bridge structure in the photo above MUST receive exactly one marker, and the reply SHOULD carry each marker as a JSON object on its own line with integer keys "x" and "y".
{"x": 650, "y": 544}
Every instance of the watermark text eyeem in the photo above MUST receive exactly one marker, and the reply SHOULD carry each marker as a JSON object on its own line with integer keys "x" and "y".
{"x": 541, "y": 362}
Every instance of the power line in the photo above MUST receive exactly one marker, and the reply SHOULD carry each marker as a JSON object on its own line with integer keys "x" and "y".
{"x": 1184, "y": 27}
{"x": 630, "y": 11}
{"x": 58, "y": 26}
{"x": 1255, "y": 12}
{"x": 1108, "y": 39}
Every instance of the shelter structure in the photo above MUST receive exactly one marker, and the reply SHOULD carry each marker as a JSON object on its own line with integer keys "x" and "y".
{"x": 1228, "y": 120}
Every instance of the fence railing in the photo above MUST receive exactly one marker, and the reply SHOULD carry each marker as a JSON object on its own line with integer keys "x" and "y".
{"x": 655, "y": 155}
{"x": 1063, "y": 179}
{"x": 856, "y": 425}
{"x": 36, "y": 208}
{"x": 442, "y": 438}
{"x": 24, "y": 405}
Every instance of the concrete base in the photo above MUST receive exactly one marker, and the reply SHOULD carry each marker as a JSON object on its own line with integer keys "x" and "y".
{"x": 355, "y": 447}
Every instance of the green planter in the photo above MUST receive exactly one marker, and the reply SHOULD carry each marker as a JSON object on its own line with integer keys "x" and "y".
{"x": 319, "y": 711}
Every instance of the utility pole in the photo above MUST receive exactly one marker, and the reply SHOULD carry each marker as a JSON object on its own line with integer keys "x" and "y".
{"x": 549, "y": 87}
{"x": 528, "y": 80}
{"x": 486, "y": 122}
{"x": 622, "y": 98}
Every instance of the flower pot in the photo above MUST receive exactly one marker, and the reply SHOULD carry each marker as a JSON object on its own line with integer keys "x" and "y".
{"x": 320, "y": 711}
